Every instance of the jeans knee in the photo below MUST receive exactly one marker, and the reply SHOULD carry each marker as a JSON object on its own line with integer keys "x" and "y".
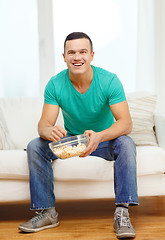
{"x": 32, "y": 145}
{"x": 38, "y": 149}
{"x": 37, "y": 146}
{"x": 127, "y": 143}
{"x": 126, "y": 150}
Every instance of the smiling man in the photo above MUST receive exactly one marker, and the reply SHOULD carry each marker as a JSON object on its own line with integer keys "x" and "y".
{"x": 96, "y": 97}
{"x": 78, "y": 55}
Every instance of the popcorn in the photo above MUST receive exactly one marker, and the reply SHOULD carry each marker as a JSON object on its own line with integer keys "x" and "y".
{"x": 69, "y": 151}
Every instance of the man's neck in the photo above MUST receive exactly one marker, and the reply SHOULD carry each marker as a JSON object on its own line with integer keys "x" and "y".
{"x": 82, "y": 80}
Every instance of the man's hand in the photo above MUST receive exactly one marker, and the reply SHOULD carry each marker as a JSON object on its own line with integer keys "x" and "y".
{"x": 46, "y": 126}
{"x": 94, "y": 140}
{"x": 55, "y": 133}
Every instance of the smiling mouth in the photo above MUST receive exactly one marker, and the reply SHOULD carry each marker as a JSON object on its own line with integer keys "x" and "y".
{"x": 77, "y": 64}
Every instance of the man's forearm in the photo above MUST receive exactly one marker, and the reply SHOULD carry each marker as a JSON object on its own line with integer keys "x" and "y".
{"x": 119, "y": 128}
{"x": 52, "y": 133}
{"x": 44, "y": 130}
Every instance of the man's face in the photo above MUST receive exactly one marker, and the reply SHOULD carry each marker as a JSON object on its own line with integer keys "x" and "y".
{"x": 78, "y": 55}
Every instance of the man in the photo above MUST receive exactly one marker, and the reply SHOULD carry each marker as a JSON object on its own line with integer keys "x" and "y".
{"x": 95, "y": 98}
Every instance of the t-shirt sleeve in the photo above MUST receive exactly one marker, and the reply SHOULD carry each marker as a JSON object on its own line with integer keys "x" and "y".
{"x": 116, "y": 92}
{"x": 50, "y": 93}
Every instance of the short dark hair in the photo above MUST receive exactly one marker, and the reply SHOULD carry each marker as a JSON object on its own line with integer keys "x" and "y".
{"x": 78, "y": 35}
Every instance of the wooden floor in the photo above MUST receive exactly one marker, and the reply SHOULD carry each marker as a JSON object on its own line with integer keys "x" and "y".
{"x": 87, "y": 220}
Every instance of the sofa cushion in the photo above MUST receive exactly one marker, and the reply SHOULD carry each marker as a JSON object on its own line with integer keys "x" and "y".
{"x": 21, "y": 117}
{"x": 13, "y": 164}
{"x": 150, "y": 160}
{"x": 88, "y": 168}
{"x": 142, "y": 106}
{"x": 5, "y": 141}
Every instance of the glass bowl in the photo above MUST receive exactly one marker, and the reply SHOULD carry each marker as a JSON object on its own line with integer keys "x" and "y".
{"x": 69, "y": 146}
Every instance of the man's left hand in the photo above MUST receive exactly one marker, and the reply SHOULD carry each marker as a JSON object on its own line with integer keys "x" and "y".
{"x": 94, "y": 140}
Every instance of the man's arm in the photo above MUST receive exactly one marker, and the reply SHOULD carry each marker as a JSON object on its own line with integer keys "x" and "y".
{"x": 46, "y": 126}
{"x": 122, "y": 126}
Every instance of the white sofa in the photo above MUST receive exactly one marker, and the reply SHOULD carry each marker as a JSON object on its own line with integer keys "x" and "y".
{"x": 79, "y": 178}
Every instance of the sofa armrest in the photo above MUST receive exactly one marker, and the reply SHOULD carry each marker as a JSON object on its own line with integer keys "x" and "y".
{"x": 160, "y": 128}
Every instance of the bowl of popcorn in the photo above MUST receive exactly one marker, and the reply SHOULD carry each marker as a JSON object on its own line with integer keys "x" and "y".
{"x": 70, "y": 146}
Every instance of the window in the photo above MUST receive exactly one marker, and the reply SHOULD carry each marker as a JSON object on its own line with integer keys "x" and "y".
{"x": 19, "y": 58}
{"x": 112, "y": 26}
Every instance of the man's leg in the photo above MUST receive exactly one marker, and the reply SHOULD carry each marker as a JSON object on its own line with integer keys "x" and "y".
{"x": 125, "y": 175}
{"x": 123, "y": 151}
{"x": 41, "y": 186}
{"x": 125, "y": 181}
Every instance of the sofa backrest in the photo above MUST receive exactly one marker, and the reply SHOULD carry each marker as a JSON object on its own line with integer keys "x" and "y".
{"x": 21, "y": 115}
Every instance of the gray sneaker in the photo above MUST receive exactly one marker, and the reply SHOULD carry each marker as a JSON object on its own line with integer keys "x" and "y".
{"x": 122, "y": 225}
{"x": 44, "y": 220}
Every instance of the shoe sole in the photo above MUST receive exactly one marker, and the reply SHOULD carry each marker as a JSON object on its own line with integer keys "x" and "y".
{"x": 125, "y": 235}
{"x": 23, "y": 229}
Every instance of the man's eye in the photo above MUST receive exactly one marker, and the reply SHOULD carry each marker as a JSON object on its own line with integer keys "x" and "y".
{"x": 83, "y": 52}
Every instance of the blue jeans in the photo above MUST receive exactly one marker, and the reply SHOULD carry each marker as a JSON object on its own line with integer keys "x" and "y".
{"x": 122, "y": 150}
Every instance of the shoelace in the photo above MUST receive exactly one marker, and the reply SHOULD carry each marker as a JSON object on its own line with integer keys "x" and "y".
{"x": 39, "y": 216}
{"x": 123, "y": 221}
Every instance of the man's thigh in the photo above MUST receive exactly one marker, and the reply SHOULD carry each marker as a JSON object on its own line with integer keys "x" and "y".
{"x": 104, "y": 150}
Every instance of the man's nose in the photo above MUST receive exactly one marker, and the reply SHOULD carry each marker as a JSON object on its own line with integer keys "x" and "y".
{"x": 77, "y": 56}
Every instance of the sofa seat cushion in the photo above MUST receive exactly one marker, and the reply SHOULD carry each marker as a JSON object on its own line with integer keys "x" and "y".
{"x": 150, "y": 160}
{"x": 88, "y": 168}
{"x": 13, "y": 164}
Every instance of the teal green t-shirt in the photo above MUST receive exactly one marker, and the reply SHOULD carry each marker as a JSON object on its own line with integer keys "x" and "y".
{"x": 88, "y": 111}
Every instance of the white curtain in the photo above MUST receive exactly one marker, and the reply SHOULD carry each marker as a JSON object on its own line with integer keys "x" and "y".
{"x": 151, "y": 49}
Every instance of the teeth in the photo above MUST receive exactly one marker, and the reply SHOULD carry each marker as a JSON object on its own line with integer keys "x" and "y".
{"x": 77, "y": 64}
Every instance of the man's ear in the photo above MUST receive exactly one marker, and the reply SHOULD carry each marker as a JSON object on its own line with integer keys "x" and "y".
{"x": 92, "y": 55}
{"x": 64, "y": 57}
